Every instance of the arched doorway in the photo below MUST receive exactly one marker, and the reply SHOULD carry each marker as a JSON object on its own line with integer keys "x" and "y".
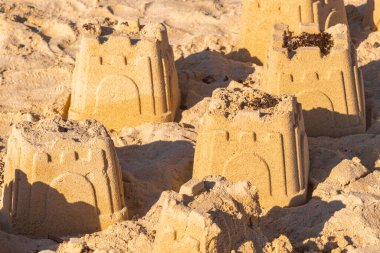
{"x": 318, "y": 112}
{"x": 119, "y": 94}
{"x": 71, "y": 205}
{"x": 249, "y": 166}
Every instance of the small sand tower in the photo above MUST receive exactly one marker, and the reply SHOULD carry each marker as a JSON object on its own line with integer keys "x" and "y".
{"x": 325, "y": 79}
{"x": 259, "y": 16}
{"x": 127, "y": 79}
{"x": 209, "y": 220}
{"x": 61, "y": 178}
{"x": 249, "y": 135}
{"x": 372, "y": 15}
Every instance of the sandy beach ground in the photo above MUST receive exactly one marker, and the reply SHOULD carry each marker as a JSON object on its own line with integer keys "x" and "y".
{"x": 39, "y": 40}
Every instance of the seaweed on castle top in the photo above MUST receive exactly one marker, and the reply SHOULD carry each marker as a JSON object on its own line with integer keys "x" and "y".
{"x": 322, "y": 40}
{"x": 229, "y": 101}
{"x": 103, "y": 29}
{"x": 329, "y": 87}
{"x": 259, "y": 16}
{"x": 107, "y": 26}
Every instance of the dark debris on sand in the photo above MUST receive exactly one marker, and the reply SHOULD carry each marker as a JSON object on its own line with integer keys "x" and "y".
{"x": 322, "y": 40}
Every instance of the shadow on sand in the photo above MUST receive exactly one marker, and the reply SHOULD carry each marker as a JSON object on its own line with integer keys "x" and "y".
{"x": 203, "y": 72}
{"x": 42, "y": 211}
{"x": 152, "y": 168}
{"x": 301, "y": 223}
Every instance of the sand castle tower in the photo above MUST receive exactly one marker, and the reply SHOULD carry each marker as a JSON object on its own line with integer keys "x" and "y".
{"x": 61, "y": 178}
{"x": 325, "y": 79}
{"x": 249, "y": 135}
{"x": 372, "y": 14}
{"x": 259, "y": 16}
{"x": 126, "y": 80}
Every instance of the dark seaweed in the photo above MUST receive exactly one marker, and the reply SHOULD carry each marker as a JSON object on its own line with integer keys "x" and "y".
{"x": 322, "y": 40}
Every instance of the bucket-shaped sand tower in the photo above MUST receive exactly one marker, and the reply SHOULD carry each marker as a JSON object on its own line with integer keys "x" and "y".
{"x": 61, "y": 178}
{"x": 321, "y": 71}
{"x": 249, "y": 135}
{"x": 126, "y": 79}
{"x": 259, "y": 16}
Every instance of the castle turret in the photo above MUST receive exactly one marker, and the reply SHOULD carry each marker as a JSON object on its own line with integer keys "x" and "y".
{"x": 328, "y": 84}
{"x": 126, "y": 79}
{"x": 61, "y": 178}
{"x": 259, "y": 16}
{"x": 249, "y": 135}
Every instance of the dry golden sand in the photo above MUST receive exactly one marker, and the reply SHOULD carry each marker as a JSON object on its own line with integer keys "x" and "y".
{"x": 38, "y": 43}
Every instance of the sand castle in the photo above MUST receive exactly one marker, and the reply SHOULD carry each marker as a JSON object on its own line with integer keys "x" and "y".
{"x": 372, "y": 14}
{"x": 61, "y": 178}
{"x": 249, "y": 135}
{"x": 126, "y": 79}
{"x": 325, "y": 79}
{"x": 259, "y": 16}
{"x": 186, "y": 224}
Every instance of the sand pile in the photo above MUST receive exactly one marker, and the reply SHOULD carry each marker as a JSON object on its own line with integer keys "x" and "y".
{"x": 231, "y": 100}
{"x": 17, "y": 243}
{"x": 154, "y": 158}
{"x": 219, "y": 216}
{"x": 338, "y": 218}
{"x": 48, "y": 132}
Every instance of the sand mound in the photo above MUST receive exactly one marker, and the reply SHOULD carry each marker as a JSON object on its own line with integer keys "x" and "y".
{"x": 229, "y": 214}
{"x": 47, "y": 132}
{"x": 231, "y": 100}
{"x": 19, "y": 244}
{"x": 154, "y": 158}
{"x": 339, "y": 217}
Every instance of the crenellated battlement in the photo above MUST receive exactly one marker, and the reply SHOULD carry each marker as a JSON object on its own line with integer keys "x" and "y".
{"x": 43, "y": 159}
{"x": 131, "y": 26}
{"x": 125, "y": 42}
{"x": 311, "y": 76}
{"x": 117, "y": 51}
{"x": 279, "y": 6}
{"x": 341, "y": 47}
{"x": 243, "y": 138}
